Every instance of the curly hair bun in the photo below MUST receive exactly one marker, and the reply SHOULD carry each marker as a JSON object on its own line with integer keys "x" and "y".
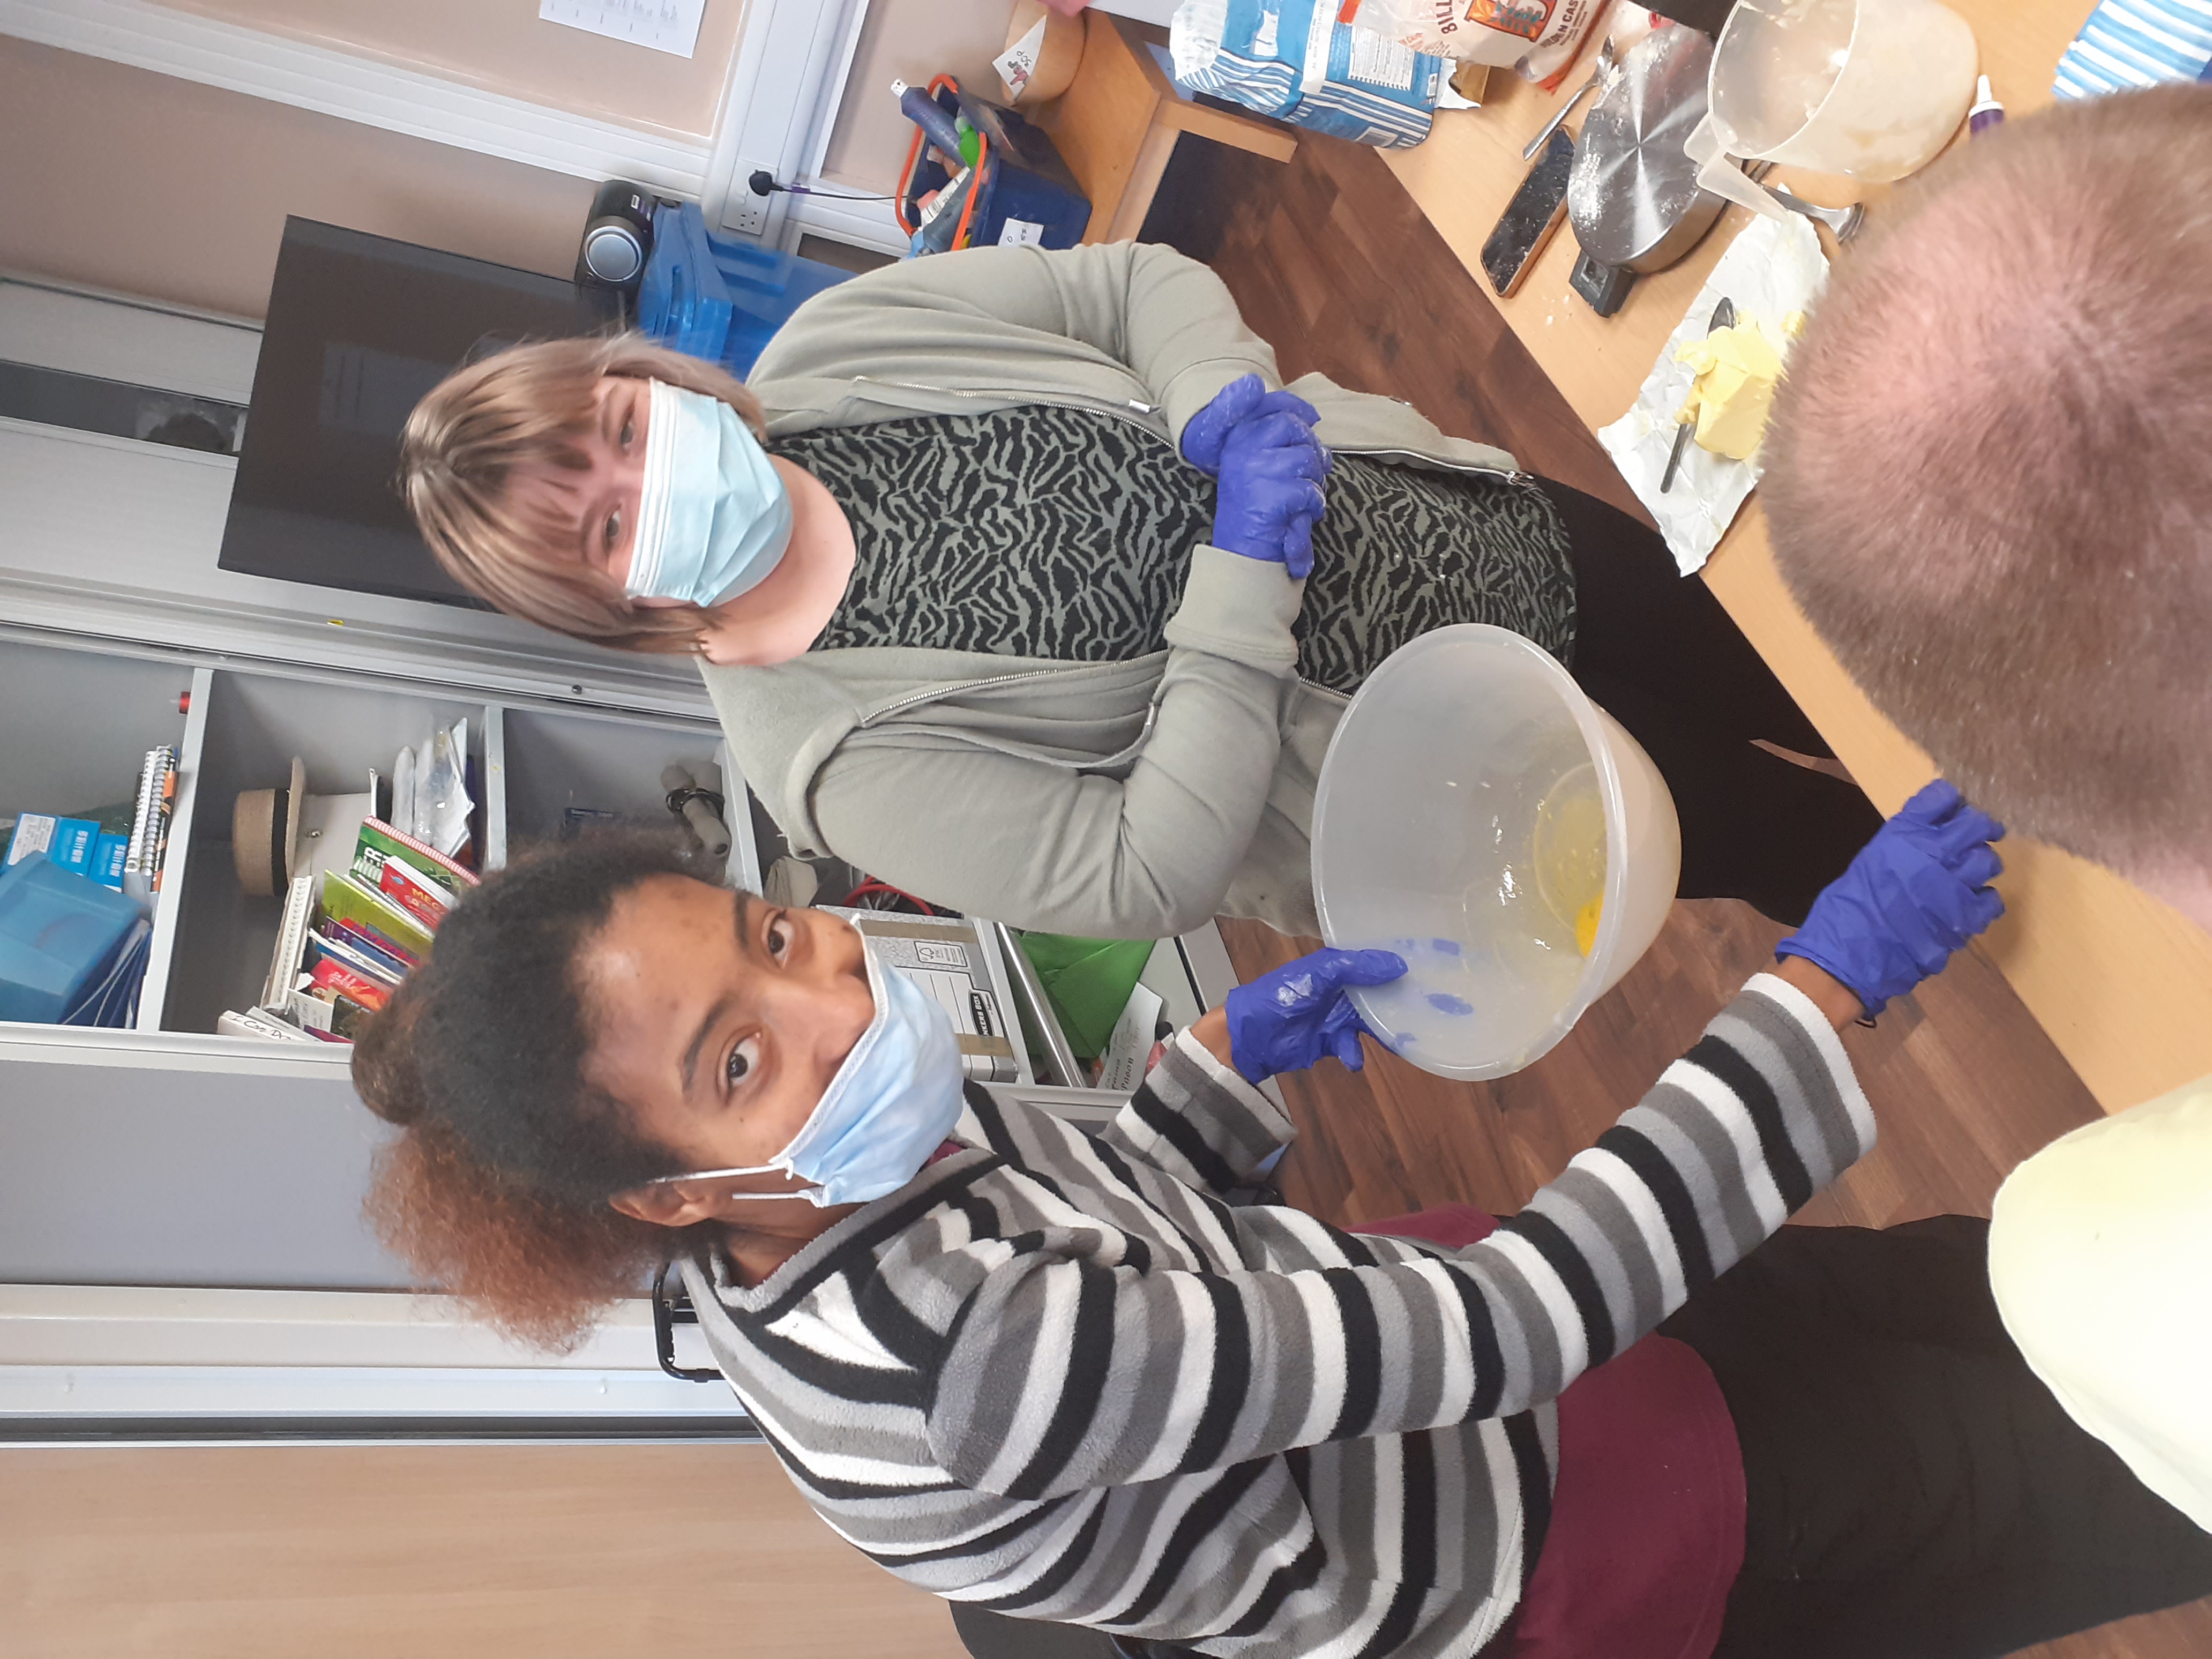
{"x": 385, "y": 1072}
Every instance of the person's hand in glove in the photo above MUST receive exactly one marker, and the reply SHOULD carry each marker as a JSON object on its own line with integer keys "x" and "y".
{"x": 1286, "y": 1019}
{"x": 1917, "y": 892}
{"x": 1242, "y": 399}
{"x": 1270, "y": 496}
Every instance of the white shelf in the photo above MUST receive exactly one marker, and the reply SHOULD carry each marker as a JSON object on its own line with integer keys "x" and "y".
{"x": 155, "y": 991}
{"x": 588, "y": 761}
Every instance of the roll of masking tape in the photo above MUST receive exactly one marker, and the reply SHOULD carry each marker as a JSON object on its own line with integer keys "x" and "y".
{"x": 1056, "y": 55}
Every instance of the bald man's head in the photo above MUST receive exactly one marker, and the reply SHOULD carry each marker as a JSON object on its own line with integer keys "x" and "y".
{"x": 1990, "y": 475}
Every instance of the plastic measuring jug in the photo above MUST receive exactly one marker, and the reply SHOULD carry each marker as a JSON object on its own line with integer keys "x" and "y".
{"x": 1872, "y": 90}
{"x": 1475, "y": 812}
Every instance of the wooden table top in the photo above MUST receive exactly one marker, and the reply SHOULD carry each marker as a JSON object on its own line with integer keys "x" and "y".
{"x": 2122, "y": 983}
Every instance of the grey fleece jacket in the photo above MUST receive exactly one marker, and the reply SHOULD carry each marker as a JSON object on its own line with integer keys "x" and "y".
{"x": 1116, "y": 801}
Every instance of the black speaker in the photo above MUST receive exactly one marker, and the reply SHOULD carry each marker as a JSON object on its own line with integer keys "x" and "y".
{"x": 618, "y": 238}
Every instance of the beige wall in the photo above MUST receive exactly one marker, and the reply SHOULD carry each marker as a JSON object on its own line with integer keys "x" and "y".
{"x": 503, "y": 46}
{"x": 124, "y": 178}
{"x": 437, "y": 1553}
{"x": 909, "y": 40}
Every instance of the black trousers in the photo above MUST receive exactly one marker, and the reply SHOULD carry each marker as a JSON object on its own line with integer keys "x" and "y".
{"x": 1660, "y": 655}
{"x": 1914, "y": 1491}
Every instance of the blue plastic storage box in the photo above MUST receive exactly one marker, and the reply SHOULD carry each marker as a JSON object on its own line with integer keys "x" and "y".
{"x": 59, "y": 931}
{"x": 717, "y": 298}
{"x": 1028, "y": 197}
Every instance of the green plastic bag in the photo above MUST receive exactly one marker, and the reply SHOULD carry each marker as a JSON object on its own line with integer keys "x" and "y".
{"x": 1088, "y": 981}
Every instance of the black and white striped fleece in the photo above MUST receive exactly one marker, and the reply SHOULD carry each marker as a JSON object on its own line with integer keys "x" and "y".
{"x": 1055, "y": 1375}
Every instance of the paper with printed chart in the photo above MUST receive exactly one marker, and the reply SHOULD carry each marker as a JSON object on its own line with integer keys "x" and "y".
{"x": 669, "y": 26}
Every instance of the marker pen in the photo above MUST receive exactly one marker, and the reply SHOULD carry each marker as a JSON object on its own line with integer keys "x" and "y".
{"x": 1987, "y": 112}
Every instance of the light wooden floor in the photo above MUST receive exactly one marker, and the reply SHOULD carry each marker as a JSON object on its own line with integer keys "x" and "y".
{"x": 1333, "y": 262}
{"x": 437, "y": 1553}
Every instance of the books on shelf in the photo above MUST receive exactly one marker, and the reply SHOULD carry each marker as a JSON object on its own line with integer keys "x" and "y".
{"x": 386, "y": 952}
{"x": 108, "y": 853}
{"x": 414, "y": 893}
{"x": 342, "y": 998}
{"x": 346, "y": 897}
{"x": 380, "y": 841}
{"x": 360, "y": 958}
{"x": 351, "y": 934}
{"x": 253, "y": 1023}
{"x": 68, "y": 843}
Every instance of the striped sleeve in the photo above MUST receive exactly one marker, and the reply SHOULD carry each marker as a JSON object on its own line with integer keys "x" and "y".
{"x": 1197, "y": 1120}
{"x": 1066, "y": 1375}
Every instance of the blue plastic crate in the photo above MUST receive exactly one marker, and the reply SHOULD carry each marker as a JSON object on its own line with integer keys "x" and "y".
{"x": 59, "y": 931}
{"x": 719, "y": 298}
{"x": 1028, "y": 196}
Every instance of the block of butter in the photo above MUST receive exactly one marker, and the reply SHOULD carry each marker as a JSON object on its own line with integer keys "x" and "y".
{"x": 1735, "y": 372}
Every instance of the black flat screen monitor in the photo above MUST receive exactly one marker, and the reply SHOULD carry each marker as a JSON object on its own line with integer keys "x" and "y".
{"x": 359, "y": 328}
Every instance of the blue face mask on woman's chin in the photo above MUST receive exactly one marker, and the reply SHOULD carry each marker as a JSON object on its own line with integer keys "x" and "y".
{"x": 714, "y": 517}
{"x": 891, "y": 1104}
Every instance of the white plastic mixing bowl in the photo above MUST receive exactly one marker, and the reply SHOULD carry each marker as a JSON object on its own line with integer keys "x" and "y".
{"x": 1458, "y": 822}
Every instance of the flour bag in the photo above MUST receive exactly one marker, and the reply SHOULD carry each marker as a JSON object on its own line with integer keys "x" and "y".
{"x": 1293, "y": 60}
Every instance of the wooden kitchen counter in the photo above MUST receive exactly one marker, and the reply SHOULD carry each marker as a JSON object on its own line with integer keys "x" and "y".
{"x": 2122, "y": 983}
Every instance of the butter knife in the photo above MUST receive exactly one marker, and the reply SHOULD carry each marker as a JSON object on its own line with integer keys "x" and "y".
{"x": 1723, "y": 317}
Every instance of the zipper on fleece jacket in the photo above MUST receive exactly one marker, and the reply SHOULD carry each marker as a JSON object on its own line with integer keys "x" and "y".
{"x": 1514, "y": 476}
{"x": 936, "y": 692}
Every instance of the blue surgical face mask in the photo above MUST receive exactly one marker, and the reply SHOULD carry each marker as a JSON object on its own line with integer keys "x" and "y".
{"x": 890, "y": 1105}
{"x": 713, "y": 518}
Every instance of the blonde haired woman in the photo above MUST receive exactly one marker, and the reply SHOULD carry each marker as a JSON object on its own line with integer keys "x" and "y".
{"x": 1012, "y": 581}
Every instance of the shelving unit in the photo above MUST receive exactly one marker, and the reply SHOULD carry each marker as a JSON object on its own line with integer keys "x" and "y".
{"x": 177, "y": 1206}
{"x": 602, "y": 763}
{"x": 212, "y": 942}
{"x": 171, "y": 1155}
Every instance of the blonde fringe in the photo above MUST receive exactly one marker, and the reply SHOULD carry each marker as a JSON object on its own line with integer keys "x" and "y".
{"x": 529, "y": 407}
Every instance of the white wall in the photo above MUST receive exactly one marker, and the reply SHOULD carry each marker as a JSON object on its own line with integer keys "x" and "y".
{"x": 505, "y": 47}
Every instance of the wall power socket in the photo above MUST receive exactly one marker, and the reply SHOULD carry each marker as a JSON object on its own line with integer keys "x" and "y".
{"x": 746, "y": 214}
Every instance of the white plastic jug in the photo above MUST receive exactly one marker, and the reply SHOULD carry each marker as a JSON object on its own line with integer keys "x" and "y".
{"x": 1473, "y": 806}
{"x": 1872, "y": 90}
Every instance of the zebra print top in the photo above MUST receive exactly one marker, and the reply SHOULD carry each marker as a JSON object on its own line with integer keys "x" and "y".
{"x": 1057, "y": 1376}
{"x": 1064, "y": 534}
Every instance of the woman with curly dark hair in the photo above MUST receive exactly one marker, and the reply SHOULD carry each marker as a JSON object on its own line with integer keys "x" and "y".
{"x": 1059, "y": 1375}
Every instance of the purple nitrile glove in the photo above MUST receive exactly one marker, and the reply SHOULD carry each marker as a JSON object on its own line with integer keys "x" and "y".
{"x": 1915, "y": 892}
{"x": 1286, "y": 1019}
{"x": 1242, "y": 399}
{"x": 1270, "y": 495}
